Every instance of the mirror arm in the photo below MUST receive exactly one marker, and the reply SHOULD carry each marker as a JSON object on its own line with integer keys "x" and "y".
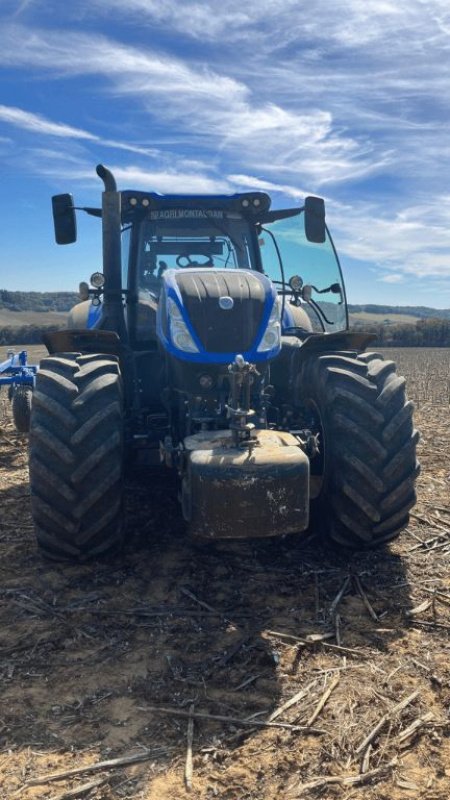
{"x": 94, "y": 212}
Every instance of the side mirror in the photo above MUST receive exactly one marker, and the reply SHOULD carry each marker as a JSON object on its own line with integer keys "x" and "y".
{"x": 315, "y": 229}
{"x": 64, "y": 219}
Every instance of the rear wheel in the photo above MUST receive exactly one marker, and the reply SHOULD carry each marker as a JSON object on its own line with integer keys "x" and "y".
{"x": 21, "y": 407}
{"x": 76, "y": 456}
{"x": 365, "y": 472}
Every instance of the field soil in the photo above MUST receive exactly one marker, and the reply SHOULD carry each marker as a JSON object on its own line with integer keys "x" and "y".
{"x": 41, "y": 318}
{"x": 296, "y": 672}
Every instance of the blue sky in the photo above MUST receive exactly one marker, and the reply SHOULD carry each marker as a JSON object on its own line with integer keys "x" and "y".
{"x": 345, "y": 99}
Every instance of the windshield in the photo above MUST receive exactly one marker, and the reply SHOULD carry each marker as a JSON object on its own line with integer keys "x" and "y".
{"x": 316, "y": 264}
{"x": 168, "y": 244}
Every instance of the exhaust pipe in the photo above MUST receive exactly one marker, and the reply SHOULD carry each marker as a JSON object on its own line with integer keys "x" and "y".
{"x": 113, "y": 318}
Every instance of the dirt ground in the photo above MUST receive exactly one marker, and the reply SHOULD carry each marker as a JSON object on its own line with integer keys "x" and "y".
{"x": 125, "y": 659}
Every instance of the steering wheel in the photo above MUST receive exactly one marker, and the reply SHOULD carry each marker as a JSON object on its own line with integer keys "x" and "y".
{"x": 185, "y": 260}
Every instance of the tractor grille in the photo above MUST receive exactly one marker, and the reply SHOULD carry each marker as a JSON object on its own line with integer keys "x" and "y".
{"x": 223, "y": 331}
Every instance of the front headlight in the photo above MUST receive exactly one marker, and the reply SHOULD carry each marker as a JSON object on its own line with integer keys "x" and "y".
{"x": 272, "y": 335}
{"x": 179, "y": 331}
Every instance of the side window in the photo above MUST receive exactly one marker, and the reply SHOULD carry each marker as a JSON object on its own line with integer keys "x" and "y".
{"x": 315, "y": 264}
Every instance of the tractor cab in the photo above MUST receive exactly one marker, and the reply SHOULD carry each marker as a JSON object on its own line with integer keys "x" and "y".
{"x": 165, "y": 239}
{"x": 166, "y": 235}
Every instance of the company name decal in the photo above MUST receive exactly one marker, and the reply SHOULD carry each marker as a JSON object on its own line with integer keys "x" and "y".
{"x": 185, "y": 213}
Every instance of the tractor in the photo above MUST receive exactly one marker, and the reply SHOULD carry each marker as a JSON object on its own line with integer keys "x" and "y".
{"x": 215, "y": 343}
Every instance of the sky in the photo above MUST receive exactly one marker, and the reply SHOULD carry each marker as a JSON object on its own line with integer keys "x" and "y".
{"x": 345, "y": 99}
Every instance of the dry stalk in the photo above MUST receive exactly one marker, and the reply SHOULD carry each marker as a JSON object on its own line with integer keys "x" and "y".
{"x": 79, "y": 791}
{"x": 419, "y": 609}
{"x": 323, "y": 700}
{"x": 385, "y": 718}
{"x": 190, "y": 738}
{"x": 345, "y": 780}
{"x": 415, "y": 726}
{"x": 293, "y": 700}
{"x": 364, "y": 598}
{"x": 99, "y": 765}
{"x": 178, "y": 712}
{"x": 334, "y": 605}
{"x": 366, "y": 760}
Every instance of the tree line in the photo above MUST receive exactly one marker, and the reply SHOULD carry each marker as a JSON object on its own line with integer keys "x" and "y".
{"x": 424, "y": 333}
{"x": 37, "y": 301}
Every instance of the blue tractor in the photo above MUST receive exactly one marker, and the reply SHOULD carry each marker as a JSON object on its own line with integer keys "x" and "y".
{"x": 215, "y": 343}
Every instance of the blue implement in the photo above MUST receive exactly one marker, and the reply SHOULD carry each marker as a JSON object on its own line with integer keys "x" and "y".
{"x": 16, "y": 370}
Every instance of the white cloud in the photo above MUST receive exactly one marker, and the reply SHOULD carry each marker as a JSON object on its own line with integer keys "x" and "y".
{"x": 39, "y": 124}
{"x": 207, "y": 21}
{"x": 394, "y": 278}
{"x": 199, "y": 102}
{"x": 70, "y": 167}
{"x": 408, "y": 243}
{"x": 244, "y": 182}
{"x": 69, "y": 53}
{"x": 167, "y": 182}
{"x": 270, "y": 25}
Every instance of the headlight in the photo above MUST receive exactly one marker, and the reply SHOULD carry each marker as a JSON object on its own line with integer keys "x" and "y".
{"x": 179, "y": 331}
{"x": 272, "y": 335}
{"x": 97, "y": 280}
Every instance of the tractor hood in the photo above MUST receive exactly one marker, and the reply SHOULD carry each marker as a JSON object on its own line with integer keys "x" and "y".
{"x": 210, "y": 315}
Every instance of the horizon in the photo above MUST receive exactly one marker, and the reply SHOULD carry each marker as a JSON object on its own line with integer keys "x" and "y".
{"x": 362, "y": 304}
{"x": 351, "y": 111}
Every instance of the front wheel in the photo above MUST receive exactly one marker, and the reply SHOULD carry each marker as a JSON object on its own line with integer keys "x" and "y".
{"x": 364, "y": 475}
{"x": 76, "y": 456}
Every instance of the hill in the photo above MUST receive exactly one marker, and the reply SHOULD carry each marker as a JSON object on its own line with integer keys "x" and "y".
{"x": 365, "y": 319}
{"x": 42, "y": 302}
{"x": 418, "y": 312}
{"x": 37, "y": 301}
{"x": 24, "y": 316}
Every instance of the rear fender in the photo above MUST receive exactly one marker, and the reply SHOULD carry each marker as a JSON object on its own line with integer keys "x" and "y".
{"x": 341, "y": 340}
{"x": 285, "y": 368}
{"x": 83, "y": 341}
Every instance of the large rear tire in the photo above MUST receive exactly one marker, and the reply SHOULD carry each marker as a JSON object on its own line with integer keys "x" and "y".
{"x": 76, "y": 456}
{"x": 365, "y": 473}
